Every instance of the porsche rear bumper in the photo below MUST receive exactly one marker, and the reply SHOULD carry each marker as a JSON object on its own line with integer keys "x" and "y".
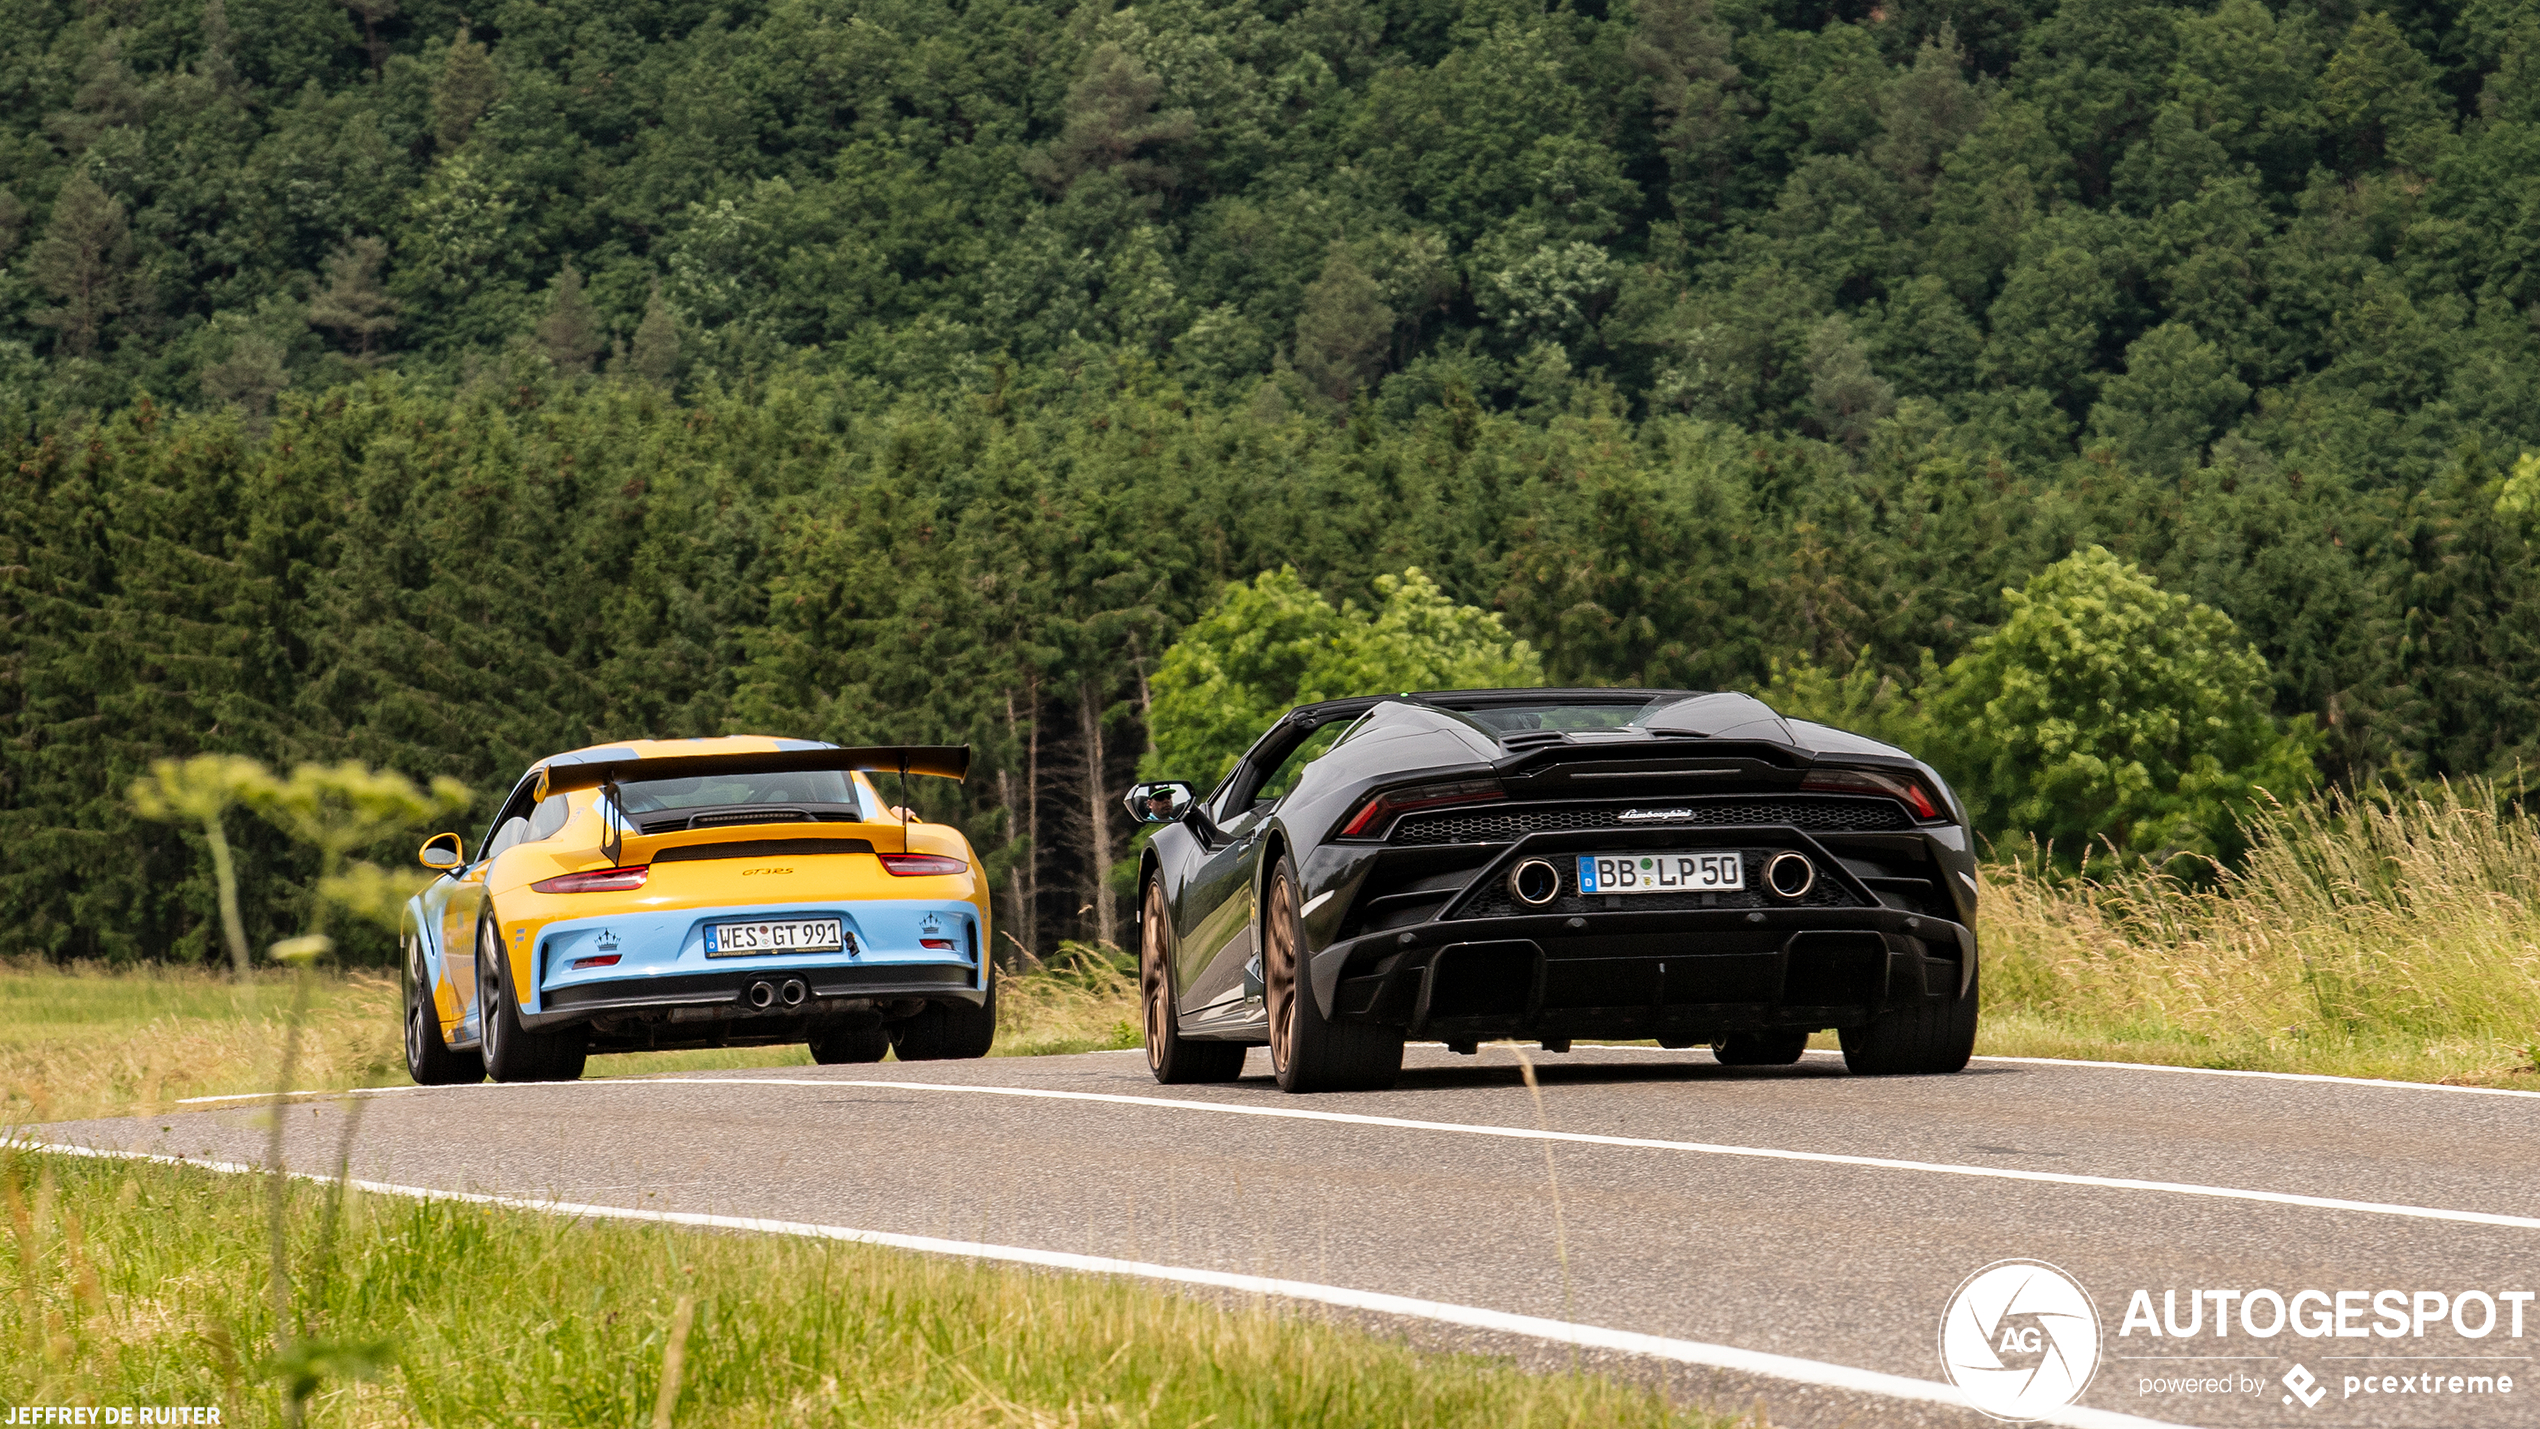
{"x": 1683, "y": 976}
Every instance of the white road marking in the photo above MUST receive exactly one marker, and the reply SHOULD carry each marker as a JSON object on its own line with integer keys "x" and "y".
{"x": 1705, "y": 1148}
{"x": 1564, "y": 1332}
{"x": 2383, "y": 1083}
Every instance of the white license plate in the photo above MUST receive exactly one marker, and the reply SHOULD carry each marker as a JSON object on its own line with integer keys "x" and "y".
{"x": 751, "y": 940}
{"x": 1661, "y": 872}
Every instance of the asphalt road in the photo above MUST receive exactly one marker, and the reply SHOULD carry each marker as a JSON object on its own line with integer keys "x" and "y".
{"x": 1798, "y": 1211}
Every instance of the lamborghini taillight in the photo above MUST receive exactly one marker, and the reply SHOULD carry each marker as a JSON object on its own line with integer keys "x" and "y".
{"x": 1382, "y": 807}
{"x": 597, "y": 880}
{"x": 1906, "y": 787}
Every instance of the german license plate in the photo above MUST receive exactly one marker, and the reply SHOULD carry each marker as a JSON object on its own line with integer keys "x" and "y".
{"x": 752, "y": 940}
{"x": 1661, "y": 872}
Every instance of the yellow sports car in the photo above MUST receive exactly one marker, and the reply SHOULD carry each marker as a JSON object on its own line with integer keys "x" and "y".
{"x": 734, "y": 892}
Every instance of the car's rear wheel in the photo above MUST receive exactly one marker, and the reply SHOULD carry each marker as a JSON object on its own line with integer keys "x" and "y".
{"x": 513, "y": 1053}
{"x": 1760, "y": 1049}
{"x": 429, "y": 1059}
{"x": 1170, "y": 1057}
{"x": 950, "y": 1031}
{"x": 1308, "y": 1052}
{"x": 842, "y": 1045}
{"x": 1926, "y": 1036}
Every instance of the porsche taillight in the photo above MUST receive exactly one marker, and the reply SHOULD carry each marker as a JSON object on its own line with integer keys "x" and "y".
{"x": 597, "y": 880}
{"x": 1382, "y": 806}
{"x": 918, "y": 865}
{"x": 1906, "y": 787}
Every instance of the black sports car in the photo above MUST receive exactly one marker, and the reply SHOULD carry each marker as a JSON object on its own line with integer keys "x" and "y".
{"x": 1551, "y": 864}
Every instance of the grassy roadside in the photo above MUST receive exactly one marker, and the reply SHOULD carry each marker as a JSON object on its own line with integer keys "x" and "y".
{"x": 141, "y": 1284}
{"x": 85, "y": 1041}
{"x": 2395, "y": 938}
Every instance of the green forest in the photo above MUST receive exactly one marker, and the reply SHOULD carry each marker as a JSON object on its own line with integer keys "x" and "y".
{"x": 440, "y": 388}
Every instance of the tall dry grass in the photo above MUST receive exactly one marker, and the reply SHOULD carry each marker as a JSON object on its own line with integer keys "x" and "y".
{"x": 2393, "y": 935}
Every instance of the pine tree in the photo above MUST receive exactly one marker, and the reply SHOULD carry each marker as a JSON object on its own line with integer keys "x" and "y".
{"x": 85, "y": 263}
{"x": 655, "y": 354}
{"x": 466, "y": 87}
{"x": 1113, "y": 127}
{"x": 353, "y": 304}
{"x": 1344, "y": 329}
{"x": 570, "y": 332}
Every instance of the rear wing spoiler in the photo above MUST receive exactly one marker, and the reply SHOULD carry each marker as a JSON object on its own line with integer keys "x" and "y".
{"x": 606, "y": 769}
{"x": 600, "y": 768}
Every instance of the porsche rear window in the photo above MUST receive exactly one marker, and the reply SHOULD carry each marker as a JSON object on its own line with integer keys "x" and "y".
{"x": 826, "y": 786}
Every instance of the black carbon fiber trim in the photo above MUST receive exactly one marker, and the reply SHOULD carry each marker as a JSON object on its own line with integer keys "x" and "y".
{"x": 1815, "y": 813}
{"x": 762, "y": 848}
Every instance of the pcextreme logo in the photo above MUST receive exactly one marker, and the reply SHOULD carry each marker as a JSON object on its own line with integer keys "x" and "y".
{"x": 2020, "y": 1338}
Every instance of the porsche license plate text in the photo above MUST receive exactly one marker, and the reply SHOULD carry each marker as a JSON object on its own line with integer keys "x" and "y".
{"x": 746, "y": 940}
{"x": 1661, "y": 872}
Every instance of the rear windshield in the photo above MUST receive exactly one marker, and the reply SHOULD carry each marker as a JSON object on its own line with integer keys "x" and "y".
{"x": 819, "y": 787}
{"x": 1507, "y": 719}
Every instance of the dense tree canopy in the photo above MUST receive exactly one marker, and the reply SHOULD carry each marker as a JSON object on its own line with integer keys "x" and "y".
{"x": 439, "y": 387}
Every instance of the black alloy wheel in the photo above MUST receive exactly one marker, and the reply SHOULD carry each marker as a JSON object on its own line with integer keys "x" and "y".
{"x": 429, "y": 1059}
{"x": 1173, "y": 1060}
{"x": 950, "y": 1031}
{"x": 513, "y": 1053}
{"x": 842, "y": 1045}
{"x": 1309, "y": 1053}
{"x": 1759, "y": 1049}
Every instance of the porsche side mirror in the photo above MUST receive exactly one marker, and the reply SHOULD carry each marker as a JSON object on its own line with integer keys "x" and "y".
{"x": 1161, "y": 802}
{"x": 441, "y": 851}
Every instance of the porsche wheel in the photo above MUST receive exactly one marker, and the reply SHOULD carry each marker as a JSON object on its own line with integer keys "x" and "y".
{"x": 1760, "y": 1049}
{"x": 1173, "y": 1060}
{"x": 1925, "y": 1036}
{"x": 949, "y": 1031}
{"x": 429, "y": 1059}
{"x": 1307, "y": 1052}
{"x": 513, "y": 1053}
{"x": 845, "y": 1045}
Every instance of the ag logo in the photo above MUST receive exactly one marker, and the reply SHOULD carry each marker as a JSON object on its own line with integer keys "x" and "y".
{"x": 2020, "y": 1339}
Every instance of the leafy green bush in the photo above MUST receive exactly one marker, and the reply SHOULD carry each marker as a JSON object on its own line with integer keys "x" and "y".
{"x": 2105, "y": 709}
{"x": 1274, "y": 643}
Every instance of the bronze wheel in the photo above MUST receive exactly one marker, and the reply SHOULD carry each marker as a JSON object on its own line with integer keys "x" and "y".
{"x": 1309, "y": 1052}
{"x": 1278, "y": 971}
{"x": 1171, "y": 1057}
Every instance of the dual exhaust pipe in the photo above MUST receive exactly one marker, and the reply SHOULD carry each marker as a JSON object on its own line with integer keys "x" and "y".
{"x": 1788, "y": 875}
{"x": 765, "y": 994}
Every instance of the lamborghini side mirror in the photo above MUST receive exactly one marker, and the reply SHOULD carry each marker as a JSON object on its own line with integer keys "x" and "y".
{"x": 441, "y": 851}
{"x": 1161, "y": 802}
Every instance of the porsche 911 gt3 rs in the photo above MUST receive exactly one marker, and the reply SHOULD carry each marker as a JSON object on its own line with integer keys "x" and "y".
{"x": 727, "y": 892}
{"x": 1552, "y": 864}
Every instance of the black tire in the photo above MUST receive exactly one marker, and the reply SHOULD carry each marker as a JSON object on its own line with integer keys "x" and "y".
{"x": 949, "y": 1031}
{"x": 842, "y": 1045}
{"x": 1173, "y": 1060}
{"x": 1926, "y": 1037}
{"x": 1760, "y": 1049}
{"x": 513, "y": 1053}
{"x": 429, "y": 1059}
{"x": 1308, "y": 1053}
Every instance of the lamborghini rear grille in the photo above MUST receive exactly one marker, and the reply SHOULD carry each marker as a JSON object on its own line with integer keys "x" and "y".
{"x": 1505, "y": 825}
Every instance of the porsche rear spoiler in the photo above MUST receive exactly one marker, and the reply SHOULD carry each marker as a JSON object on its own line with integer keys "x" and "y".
{"x": 605, "y": 769}
{"x": 592, "y": 771}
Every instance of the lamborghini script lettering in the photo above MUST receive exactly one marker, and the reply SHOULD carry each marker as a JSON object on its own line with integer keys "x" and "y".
{"x": 1647, "y": 816}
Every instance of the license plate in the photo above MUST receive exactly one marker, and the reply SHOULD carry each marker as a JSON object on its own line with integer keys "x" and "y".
{"x": 753, "y": 940}
{"x": 1661, "y": 872}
